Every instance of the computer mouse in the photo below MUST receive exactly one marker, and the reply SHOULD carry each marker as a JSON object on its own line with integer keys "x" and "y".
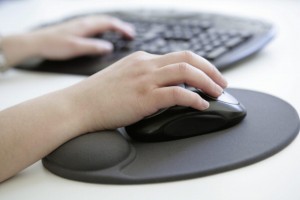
{"x": 180, "y": 122}
{"x": 91, "y": 151}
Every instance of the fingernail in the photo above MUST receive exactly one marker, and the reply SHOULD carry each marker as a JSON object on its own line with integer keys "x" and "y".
{"x": 106, "y": 46}
{"x": 205, "y": 105}
{"x": 130, "y": 29}
{"x": 224, "y": 83}
{"x": 219, "y": 90}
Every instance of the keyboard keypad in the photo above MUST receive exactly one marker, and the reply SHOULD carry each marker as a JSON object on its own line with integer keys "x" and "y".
{"x": 222, "y": 39}
{"x": 161, "y": 38}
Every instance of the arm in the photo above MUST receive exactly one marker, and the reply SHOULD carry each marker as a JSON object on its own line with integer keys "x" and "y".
{"x": 33, "y": 129}
{"x": 123, "y": 93}
{"x": 63, "y": 41}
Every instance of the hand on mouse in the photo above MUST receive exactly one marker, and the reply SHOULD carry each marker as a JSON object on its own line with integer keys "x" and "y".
{"x": 65, "y": 40}
{"x": 125, "y": 92}
{"x": 140, "y": 85}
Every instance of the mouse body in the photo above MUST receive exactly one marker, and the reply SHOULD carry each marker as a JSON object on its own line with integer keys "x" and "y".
{"x": 180, "y": 122}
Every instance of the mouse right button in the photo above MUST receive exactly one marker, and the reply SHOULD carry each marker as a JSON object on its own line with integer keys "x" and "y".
{"x": 227, "y": 98}
{"x": 194, "y": 125}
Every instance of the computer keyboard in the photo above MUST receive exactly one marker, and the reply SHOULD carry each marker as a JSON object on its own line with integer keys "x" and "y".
{"x": 222, "y": 39}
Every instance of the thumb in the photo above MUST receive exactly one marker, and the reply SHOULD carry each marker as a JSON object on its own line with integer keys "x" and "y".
{"x": 91, "y": 46}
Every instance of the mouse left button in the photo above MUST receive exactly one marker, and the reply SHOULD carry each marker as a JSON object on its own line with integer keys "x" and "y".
{"x": 92, "y": 151}
{"x": 227, "y": 98}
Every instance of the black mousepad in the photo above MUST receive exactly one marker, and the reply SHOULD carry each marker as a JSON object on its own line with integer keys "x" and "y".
{"x": 270, "y": 125}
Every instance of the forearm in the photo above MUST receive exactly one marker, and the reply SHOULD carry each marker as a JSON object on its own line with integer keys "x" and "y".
{"x": 18, "y": 48}
{"x": 127, "y": 91}
{"x": 33, "y": 129}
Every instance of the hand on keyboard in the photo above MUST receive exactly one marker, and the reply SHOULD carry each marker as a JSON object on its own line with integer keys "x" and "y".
{"x": 221, "y": 39}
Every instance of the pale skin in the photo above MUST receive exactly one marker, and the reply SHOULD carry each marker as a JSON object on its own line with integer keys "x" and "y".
{"x": 125, "y": 92}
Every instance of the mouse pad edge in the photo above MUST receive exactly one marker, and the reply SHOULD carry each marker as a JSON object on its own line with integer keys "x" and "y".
{"x": 146, "y": 168}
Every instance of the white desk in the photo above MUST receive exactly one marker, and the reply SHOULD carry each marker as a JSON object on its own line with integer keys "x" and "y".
{"x": 275, "y": 70}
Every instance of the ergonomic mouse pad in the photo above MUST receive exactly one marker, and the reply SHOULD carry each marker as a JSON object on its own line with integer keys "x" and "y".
{"x": 111, "y": 157}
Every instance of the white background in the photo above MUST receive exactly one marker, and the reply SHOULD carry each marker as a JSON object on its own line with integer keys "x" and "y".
{"x": 274, "y": 70}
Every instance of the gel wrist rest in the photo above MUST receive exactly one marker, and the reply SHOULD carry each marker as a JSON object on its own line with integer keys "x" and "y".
{"x": 112, "y": 157}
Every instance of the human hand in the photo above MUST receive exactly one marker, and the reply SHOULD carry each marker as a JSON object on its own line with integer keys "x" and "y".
{"x": 141, "y": 84}
{"x": 125, "y": 92}
{"x": 73, "y": 38}
{"x": 66, "y": 40}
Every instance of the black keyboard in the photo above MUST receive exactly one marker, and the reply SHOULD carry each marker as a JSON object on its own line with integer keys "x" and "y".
{"x": 223, "y": 40}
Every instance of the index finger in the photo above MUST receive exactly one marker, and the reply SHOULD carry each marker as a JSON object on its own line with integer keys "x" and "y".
{"x": 93, "y": 25}
{"x": 196, "y": 61}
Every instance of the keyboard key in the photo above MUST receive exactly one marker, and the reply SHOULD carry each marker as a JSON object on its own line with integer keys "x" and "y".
{"x": 208, "y": 48}
{"x": 208, "y": 35}
{"x": 216, "y": 53}
{"x": 233, "y": 42}
{"x": 201, "y": 53}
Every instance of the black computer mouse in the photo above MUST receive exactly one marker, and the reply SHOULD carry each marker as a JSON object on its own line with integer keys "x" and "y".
{"x": 180, "y": 122}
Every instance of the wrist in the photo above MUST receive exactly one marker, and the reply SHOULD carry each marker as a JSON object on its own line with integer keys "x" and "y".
{"x": 88, "y": 114}
{"x": 76, "y": 110}
{"x": 3, "y": 62}
{"x": 18, "y": 48}
{"x": 63, "y": 114}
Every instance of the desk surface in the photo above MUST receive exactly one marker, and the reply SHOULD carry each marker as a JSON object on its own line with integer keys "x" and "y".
{"x": 274, "y": 70}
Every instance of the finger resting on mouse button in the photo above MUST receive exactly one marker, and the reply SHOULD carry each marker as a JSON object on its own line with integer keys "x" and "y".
{"x": 176, "y": 95}
{"x": 179, "y": 73}
{"x": 195, "y": 61}
{"x": 210, "y": 70}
